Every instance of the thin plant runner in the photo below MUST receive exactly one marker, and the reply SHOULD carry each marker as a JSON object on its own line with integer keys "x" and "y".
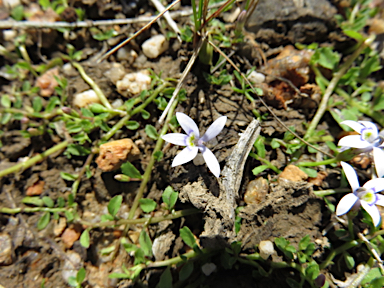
{"x": 194, "y": 142}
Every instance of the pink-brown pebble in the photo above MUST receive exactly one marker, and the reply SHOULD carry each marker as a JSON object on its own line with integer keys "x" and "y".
{"x": 115, "y": 153}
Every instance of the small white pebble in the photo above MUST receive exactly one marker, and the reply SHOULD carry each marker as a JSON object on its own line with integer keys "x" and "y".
{"x": 256, "y": 77}
{"x": 266, "y": 249}
{"x": 134, "y": 83}
{"x": 154, "y": 46}
{"x": 85, "y": 98}
{"x": 116, "y": 72}
{"x": 71, "y": 265}
{"x": 208, "y": 268}
{"x": 9, "y": 35}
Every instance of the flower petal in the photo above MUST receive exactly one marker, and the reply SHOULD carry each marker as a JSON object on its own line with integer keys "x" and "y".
{"x": 214, "y": 129}
{"x": 176, "y": 138}
{"x": 380, "y": 200}
{"x": 373, "y": 212}
{"x": 353, "y": 141}
{"x": 375, "y": 184}
{"x": 186, "y": 155}
{"x": 357, "y": 126}
{"x": 211, "y": 161}
{"x": 346, "y": 204}
{"x": 351, "y": 175}
{"x": 187, "y": 124}
{"x": 371, "y": 126}
{"x": 378, "y": 157}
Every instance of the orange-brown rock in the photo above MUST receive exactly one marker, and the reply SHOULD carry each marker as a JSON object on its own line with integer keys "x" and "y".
{"x": 115, "y": 153}
{"x": 35, "y": 189}
{"x": 70, "y": 236}
{"x": 293, "y": 173}
{"x": 47, "y": 82}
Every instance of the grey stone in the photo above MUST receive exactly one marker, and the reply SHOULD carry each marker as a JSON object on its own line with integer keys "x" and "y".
{"x": 278, "y": 22}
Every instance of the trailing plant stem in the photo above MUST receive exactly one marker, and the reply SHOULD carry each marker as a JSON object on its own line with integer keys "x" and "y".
{"x": 34, "y": 160}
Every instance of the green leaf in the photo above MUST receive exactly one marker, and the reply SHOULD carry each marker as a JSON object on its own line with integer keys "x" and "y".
{"x": 147, "y": 205}
{"x": 151, "y": 132}
{"x": 139, "y": 256}
{"x": 60, "y": 202}
{"x": 48, "y": 202}
{"x": 145, "y": 243}
{"x": 77, "y": 150}
{"x": 33, "y": 200}
{"x": 43, "y": 221}
{"x": 6, "y": 101}
{"x": 186, "y": 271}
{"x": 312, "y": 271}
{"x": 72, "y": 281}
{"x": 353, "y": 34}
{"x": 377, "y": 283}
{"x": 158, "y": 155}
{"x": 349, "y": 261}
{"x": 17, "y": 13}
{"x": 68, "y": 176}
{"x": 69, "y": 215}
{"x": 188, "y": 237}
{"x": 326, "y": 57}
{"x": 106, "y": 218}
{"x": 309, "y": 171}
{"x": 45, "y": 4}
{"x": 37, "y": 104}
{"x": 128, "y": 169}
{"x": 145, "y": 114}
{"x": 372, "y": 274}
{"x": 80, "y": 275}
{"x": 257, "y": 170}
{"x": 170, "y": 197}
{"x": 165, "y": 279}
{"x": 114, "y": 205}
{"x": 275, "y": 143}
{"x": 132, "y": 125}
{"x": 304, "y": 242}
{"x": 84, "y": 239}
{"x": 53, "y": 102}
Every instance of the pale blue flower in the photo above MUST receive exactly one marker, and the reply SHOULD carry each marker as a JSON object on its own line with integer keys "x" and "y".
{"x": 365, "y": 196}
{"x": 368, "y": 140}
{"x": 194, "y": 143}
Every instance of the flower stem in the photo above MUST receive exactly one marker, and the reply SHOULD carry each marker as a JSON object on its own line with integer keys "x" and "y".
{"x": 323, "y": 193}
{"x": 333, "y": 84}
{"x": 148, "y": 170}
{"x": 337, "y": 251}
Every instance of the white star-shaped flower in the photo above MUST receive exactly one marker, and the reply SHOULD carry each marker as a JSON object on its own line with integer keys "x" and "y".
{"x": 369, "y": 139}
{"x": 365, "y": 196}
{"x": 194, "y": 143}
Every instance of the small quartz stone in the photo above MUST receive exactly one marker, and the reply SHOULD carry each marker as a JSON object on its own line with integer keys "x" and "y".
{"x": 134, "y": 83}
{"x": 266, "y": 249}
{"x": 85, "y": 98}
{"x": 154, "y": 46}
{"x": 256, "y": 191}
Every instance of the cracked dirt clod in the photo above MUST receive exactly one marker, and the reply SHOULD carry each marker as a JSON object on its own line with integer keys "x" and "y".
{"x": 115, "y": 153}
